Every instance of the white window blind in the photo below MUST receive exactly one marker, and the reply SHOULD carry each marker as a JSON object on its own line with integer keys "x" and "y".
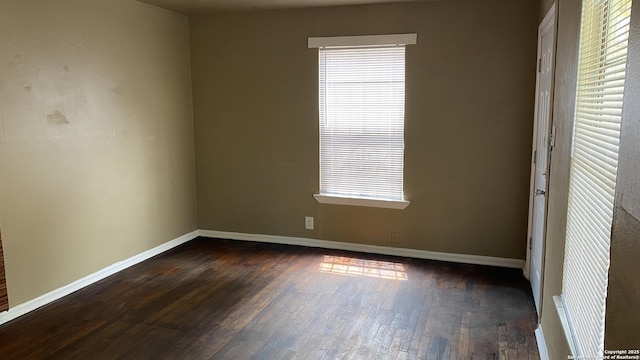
{"x": 601, "y": 76}
{"x": 362, "y": 121}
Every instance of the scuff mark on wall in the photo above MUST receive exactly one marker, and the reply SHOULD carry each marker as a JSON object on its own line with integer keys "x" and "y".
{"x": 57, "y": 118}
{"x": 28, "y": 88}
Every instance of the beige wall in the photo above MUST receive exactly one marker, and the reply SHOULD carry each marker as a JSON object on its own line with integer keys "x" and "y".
{"x": 469, "y": 109}
{"x": 96, "y": 137}
{"x": 545, "y": 6}
{"x": 623, "y": 299}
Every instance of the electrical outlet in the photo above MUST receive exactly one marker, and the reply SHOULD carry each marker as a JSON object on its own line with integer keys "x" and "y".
{"x": 308, "y": 222}
{"x": 395, "y": 237}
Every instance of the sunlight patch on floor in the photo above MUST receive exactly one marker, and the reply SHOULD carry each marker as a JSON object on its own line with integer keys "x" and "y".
{"x": 348, "y": 266}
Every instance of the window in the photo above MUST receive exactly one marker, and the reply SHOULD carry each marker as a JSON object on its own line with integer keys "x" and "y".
{"x": 361, "y": 88}
{"x": 601, "y": 77}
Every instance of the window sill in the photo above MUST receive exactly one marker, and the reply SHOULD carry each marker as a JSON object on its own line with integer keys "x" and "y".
{"x": 564, "y": 321}
{"x": 356, "y": 201}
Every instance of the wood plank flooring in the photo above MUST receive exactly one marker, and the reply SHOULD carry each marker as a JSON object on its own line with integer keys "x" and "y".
{"x": 222, "y": 299}
{"x": 4, "y": 300}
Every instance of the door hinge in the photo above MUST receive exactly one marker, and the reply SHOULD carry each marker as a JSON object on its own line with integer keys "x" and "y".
{"x": 539, "y": 64}
{"x": 535, "y": 156}
{"x": 530, "y": 241}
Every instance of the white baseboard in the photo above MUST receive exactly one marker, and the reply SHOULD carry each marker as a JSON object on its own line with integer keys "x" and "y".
{"x": 384, "y": 250}
{"x": 21, "y": 309}
{"x": 542, "y": 345}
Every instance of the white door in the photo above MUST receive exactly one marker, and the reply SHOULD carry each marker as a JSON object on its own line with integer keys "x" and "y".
{"x": 540, "y": 154}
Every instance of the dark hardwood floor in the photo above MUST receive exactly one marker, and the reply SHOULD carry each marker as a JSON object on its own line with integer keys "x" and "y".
{"x": 221, "y": 299}
{"x": 4, "y": 300}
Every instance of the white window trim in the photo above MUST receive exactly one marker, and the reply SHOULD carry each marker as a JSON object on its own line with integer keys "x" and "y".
{"x": 564, "y": 322}
{"x": 362, "y": 40}
{"x": 357, "y": 201}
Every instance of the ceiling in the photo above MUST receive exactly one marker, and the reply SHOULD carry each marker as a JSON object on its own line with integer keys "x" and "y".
{"x": 193, "y": 7}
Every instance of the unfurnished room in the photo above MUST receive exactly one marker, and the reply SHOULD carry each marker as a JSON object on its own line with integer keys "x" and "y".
{"x": 319, "y": 179}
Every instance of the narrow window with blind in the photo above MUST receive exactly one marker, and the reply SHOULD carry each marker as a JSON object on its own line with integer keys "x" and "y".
{"x": 600, "y": 88}
{"x": 361, "y": 107}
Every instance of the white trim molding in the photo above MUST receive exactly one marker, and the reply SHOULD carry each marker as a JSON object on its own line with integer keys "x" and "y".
{"x": 566, "y": 326}
{"x": 542, "y": 344}
{"x": 356, "y": 201}
{"x": 366, "y": 248}
{"x": 31, "y": 305}
{"x": 362, "y": 40}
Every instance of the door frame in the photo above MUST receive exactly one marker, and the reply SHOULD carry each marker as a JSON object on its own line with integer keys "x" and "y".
{"x": 549, "y": 21}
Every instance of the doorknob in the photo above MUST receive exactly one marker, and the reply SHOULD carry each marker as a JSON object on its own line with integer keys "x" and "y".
{"x": 539, "y": 192}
